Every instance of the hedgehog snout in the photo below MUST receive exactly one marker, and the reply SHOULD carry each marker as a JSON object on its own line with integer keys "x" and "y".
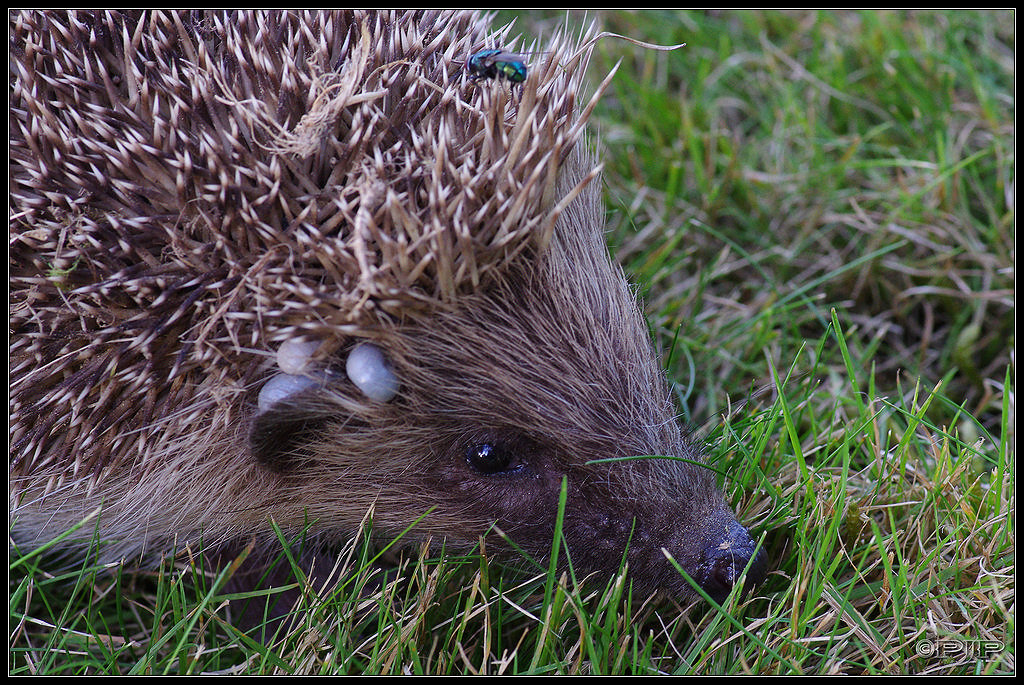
{"x": 726, "y": 558}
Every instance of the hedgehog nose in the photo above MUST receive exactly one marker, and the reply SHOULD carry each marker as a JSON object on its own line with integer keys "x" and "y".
{"x": 725, "y": 561}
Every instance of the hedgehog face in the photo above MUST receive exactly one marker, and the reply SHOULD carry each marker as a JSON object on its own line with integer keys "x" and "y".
{"x": 520, "y": 389}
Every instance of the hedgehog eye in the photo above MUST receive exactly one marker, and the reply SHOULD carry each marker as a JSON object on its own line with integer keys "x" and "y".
{"x": 490, "y": 458}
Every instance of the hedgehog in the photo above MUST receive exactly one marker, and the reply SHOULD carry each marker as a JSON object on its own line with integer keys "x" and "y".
{"x": 279, "y": 269}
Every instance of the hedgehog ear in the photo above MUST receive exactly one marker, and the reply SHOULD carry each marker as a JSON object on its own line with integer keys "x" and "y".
{"x": 280, "y": 437}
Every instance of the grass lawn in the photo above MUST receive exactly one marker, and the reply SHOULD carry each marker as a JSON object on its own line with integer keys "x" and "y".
{"x": 818, "y": 208}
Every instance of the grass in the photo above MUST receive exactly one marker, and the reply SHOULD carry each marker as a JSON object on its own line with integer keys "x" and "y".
{"x": 818, "y": 208}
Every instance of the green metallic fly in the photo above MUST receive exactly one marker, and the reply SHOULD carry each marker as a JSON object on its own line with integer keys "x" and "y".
{"x": 495, "y": 64}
